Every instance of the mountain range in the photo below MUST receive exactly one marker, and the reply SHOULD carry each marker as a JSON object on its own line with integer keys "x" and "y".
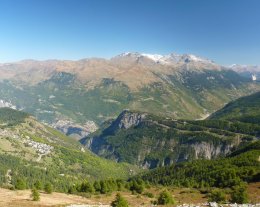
{"x": 130, "y": 123}
{"x": 95, "y": 90}
{"x": 248, "y": 71}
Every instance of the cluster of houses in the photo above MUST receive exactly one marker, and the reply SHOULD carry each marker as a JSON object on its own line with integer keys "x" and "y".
{"x": 41, "y": 148}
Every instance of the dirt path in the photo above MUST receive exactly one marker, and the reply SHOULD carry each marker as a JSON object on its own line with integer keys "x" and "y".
{"x": 9, "y": 198}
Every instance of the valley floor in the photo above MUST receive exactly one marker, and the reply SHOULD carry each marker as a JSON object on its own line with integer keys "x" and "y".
{"x": 9, "y": 198}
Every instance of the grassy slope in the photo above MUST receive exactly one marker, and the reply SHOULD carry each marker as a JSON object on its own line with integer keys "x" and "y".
{"x": 245, "y": 109}
{"x": 66, "y": 157}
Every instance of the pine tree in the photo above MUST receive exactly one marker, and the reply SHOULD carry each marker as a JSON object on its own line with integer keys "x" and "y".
{"x": 217, "y": 196}
{"x": 239, "y": 194}
{"x": 165, "y": 198}
{"x": 119, "y": 201}
{"x": 104, "y": 187}
{"x": 48, "y": 188}
{"x": 38, "y": 185}
{"x": 35, "y": 195}
{"x": 97, "y": 186}
{"x": 86, "y": 187}
{"x": 20, "y": 184}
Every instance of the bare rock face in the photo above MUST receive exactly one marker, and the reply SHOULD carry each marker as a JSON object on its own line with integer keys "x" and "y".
{"x": 209, "y": 151}
{"x": 128, "y": 119}
{"x": 75, "y": 130}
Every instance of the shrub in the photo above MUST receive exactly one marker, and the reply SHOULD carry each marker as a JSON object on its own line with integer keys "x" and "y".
{"x": 86, "y": 187}
{"x": 38, "y": 185}
{"x": 137, "y": 187}
{"x": 217, "y": 196}
{"x": 119, "y": 201}
{"x": 48, "y": 188}
{"x": 97, "y": 186}
{"x": 72, "y": 189}
{"x": 20, "y": 184}
{"x": 35, "y": 195}
{"x": 239, "y": 194}
{"x": 165, "y": 198}
{"x": 148, "y": 194}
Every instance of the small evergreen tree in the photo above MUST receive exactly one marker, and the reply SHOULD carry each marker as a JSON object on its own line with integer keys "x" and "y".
{"x": 137, "y": 187}
{"x": 97, "y": 186}
{"x": 239, "y": 194}
{"x": 48, "y": 188}
{"x": 20, "y": 184}
{"x": 119, "y": 201}
{"x": 35, "y": 195}
{"x": 120, "y": 185}
{"x": 72, "y": 189}
{"x": 165, "y": 198}
{"x": 217, "y": 196}
{"x": 86, "y": 187}
{"x": 38, "y": 185}
{"x": 104, "y": 188}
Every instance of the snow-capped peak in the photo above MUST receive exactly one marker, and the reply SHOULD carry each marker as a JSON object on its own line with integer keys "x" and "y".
{"x": 196, "y": 58}
{"x": 167, "y": 59}
{"x": 154, "y": 57}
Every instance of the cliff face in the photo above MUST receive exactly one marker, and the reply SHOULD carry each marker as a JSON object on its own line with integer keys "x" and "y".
{"x": 209, "y": 151}
{"x": 127, "y": 119}
{"x": 149, "y": 141}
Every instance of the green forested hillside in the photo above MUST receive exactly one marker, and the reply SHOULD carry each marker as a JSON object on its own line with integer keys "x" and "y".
{"x": 32, "y": 151}
{"x": 150, "y": 141}
{"x": 242, "y": 165}
{"x": 245, "y": 109}
{"x": 9, "y": 116}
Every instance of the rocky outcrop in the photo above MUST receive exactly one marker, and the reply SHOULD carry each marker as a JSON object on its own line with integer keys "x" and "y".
{"x": 75, "y": 130}
{"x": 209, "y": 150}
{"x": 128, "y": 119}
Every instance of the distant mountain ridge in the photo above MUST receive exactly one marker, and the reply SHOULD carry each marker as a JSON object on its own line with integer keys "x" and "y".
{"x": 249, "y": 71}
{"x": 177, "y": 86}
{"x": 33, "y": 72}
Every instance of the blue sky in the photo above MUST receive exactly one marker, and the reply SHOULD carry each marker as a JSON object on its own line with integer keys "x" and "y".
{"x": 226, "y": 31}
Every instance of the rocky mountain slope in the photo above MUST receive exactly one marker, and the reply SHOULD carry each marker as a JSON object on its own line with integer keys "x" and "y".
{"x": 30, "y": 150}
{"x": 241, "y": 166}
{"x": 251, "y": 72}
{"x": 150, "y": 141}
{"x": 78, "y": 92}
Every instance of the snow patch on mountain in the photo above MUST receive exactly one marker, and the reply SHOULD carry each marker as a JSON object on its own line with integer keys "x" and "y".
{"x": 154, "y": 57}
{"x": 167, "y": 59}
{"x": 7, "y": 104}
